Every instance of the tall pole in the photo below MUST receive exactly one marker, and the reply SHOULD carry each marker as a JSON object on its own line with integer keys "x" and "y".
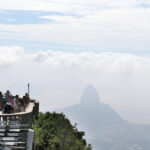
{"x": 28, "y": 89}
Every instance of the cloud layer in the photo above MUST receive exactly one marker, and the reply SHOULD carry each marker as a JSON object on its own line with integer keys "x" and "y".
{"x": 58, "y": 78}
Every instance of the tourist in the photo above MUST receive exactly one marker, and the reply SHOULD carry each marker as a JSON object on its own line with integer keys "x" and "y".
{"x": 22, "y": 107}
{"x": 1, "y": 101}
{"x": 16, "y": 104}
{"x": 7, "y": 96}
{"x": 8, "y": 106}
{"x": 13, "y": 104}
{"x": 27, "y": 96}
{"x": 26, "y": 100}
{"x": 12, "y": 101}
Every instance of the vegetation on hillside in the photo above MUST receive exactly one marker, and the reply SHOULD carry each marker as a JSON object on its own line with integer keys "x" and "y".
{"x": 53, "y": 131}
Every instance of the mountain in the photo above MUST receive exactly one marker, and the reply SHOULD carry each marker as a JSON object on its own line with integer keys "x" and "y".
{"x": 105, "y": 129}
{"x": 91, "y": 112}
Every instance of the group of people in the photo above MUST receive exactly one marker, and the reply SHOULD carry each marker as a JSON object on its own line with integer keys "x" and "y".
{"x": 13, "y": 104}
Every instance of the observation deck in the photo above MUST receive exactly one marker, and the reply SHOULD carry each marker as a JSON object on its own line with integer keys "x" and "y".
{"x": 15, "y": 128}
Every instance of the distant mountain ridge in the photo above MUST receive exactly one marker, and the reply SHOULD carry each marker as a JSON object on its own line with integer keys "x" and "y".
{"x": 104, "y": 128}
{"x": 91, "y": 111}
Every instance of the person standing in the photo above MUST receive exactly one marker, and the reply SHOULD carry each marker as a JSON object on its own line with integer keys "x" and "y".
{"x": 16, "y": 104}
{"x": 7, "y": 94}
{"x": 1, "y": 101}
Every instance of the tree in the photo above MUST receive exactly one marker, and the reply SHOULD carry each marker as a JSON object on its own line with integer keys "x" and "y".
{"x": 53, "y": 131}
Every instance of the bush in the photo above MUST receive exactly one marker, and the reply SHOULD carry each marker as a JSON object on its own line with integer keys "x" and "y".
{"x": 53, "y": 131}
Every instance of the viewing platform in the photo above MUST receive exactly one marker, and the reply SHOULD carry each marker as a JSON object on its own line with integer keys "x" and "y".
{"x": 15, "y": 128}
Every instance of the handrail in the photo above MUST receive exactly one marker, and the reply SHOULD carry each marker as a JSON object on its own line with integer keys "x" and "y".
{"x": 28, "y": 110}
{"x": 22, "y": 117}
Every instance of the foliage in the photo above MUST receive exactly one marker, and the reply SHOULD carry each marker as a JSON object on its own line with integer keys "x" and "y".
{"x": 53, "y": 131}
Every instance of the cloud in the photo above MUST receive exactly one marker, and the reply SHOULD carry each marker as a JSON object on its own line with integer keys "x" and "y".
{"x": 8, "y": 56}
{"x": 61, "y": 19}
{"x": 81, "y": 6}
{"x": 58, "y": 78}
{"x": 124, "y": 29}
{"x": 122, "y": 24}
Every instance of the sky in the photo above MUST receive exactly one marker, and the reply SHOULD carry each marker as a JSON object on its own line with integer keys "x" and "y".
{"x": 61, "y": 46}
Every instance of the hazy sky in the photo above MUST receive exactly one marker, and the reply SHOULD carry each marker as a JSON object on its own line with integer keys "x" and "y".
{"x": 70, "y": 25}
{"x": 61, "y": 46}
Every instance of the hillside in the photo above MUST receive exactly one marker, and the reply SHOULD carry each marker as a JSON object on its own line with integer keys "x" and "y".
{"x": 53, "y": 131}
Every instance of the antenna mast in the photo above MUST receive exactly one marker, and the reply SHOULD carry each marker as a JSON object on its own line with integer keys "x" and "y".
{"x": 28, "y": 89}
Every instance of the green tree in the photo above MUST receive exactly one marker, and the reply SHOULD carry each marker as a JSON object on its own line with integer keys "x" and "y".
{"x": 53, "y": 131}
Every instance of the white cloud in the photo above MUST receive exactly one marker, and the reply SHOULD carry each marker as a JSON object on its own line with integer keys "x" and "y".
{"x": 58, "y": 78}
{"x": 29, "y": 5}
{"x": 61, "y": 19}
{"x": 81, "y": 6}
{"x": 105, "y": 25}
{"x": 8, "y": 57}
{"x": 122, "y": 29}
